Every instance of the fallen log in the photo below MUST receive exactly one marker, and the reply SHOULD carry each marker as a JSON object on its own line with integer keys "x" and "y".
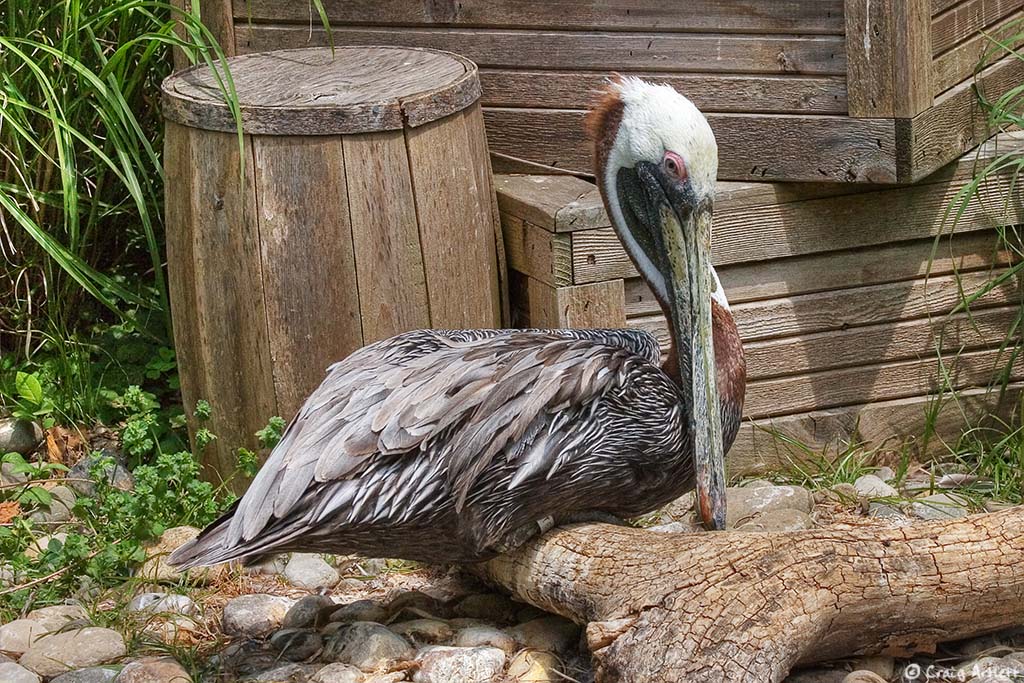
{"x": 747, "y": 607}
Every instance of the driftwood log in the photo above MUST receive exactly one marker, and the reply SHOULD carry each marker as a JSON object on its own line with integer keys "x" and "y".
{"x": 747, "y": 607}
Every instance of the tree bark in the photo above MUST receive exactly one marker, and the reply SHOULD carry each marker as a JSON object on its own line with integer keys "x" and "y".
{"x": 746, "y": 607}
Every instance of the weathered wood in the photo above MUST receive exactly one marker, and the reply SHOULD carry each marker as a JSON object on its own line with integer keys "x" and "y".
{"x": 533, "y": 49}
{"x": 967, "y": 19}
{"x": 955, "y": 66}
{"x": 216, "y": 15}
{"x": 306, "y": 246}
{"x": 556, "y": 203}
{"x": 593, "y": 306}
{"x": 389, "y": 264}
{"x": 757, "y": 16}
{"x": 746, "y": 607}
{"x": 871, "y": 58}
{"x": 793, "y": 147}
{"x": 215, "y": 267}
{"x": 912, "y": 65}
{"x": 311, "y": 91}
{"x": 536, "y": 252}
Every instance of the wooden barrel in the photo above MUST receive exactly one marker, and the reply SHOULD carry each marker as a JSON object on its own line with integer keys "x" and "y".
{"x": 357, "y": 204}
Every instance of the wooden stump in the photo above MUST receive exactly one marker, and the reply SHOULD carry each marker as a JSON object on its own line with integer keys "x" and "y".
{"x": 357, "y": 205}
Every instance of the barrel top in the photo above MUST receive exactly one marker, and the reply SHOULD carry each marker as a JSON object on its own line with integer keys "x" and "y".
{"x": 320, "y": 91}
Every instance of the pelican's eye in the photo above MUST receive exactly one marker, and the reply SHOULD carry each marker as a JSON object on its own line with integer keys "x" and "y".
{"x": 674, "y": 166}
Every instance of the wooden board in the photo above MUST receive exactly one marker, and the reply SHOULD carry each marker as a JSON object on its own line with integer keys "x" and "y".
{"x": 752, "y": 16}
{"x": 593, "y": 306}
{"x": 536, "y": 252}
{"x": 955, "y": 66}
{"x": 751, "y": 147}
{"x": 305, "y": 242}
{"x": 895, "y": 426}
{"x": 556, "y": 203}
{"x": 389, "y": 265}
{"x": 537, "y": 49}
{"x": 967, "y": 19}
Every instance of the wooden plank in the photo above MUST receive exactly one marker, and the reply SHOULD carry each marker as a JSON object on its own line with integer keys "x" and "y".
{"x": 596, "y": 306}
{"x": 840, "y": 270}
{"x": 940, "y": 6}
{"x": 896, "y": 427}
{"x": 711, "y": 92}
{"x": 541, "y": 305}
{"x": 912, "y": 64}
{"x": 751, "y": 147}
{"x": 538, "y": 199}
{"x": 956, "y": 66}
{"x": 536, "y": 252}
{"x": 867, "y": 384}
{"x": 754, "y": 16}
{"x": 494, "y": 251}
{"x": 966, "y": 20}
{"x": 870, "y": 58}
{"x": 807, "y": 227}
{"x": 460, "y": 285}
{"x": 533, "y": 49}
{"x": 306, "y": 245}
{"x": 884, "y": 342}
{"x": 856, "y": 307}
{"x": 955, "y": 124}
{"x": 392, "y": 285}
{"x": 216, "y": 16}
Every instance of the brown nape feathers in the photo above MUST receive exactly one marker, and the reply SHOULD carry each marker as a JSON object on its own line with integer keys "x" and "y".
{"x": 602, "y": 121}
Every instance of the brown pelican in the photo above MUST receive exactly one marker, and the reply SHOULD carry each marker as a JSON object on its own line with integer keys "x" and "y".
{"x": 452, "y": 446}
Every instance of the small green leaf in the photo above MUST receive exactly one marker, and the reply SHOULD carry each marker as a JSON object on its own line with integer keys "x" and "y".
{"x": 29, "y": 388}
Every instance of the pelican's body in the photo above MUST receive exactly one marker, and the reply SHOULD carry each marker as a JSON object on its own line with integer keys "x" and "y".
{"x": 441, "y": 446}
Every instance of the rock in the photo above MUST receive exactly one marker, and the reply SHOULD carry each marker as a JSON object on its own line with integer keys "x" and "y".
{"x": 534, "y": 666}
{"x": 421, "y": 631}
{"x": 884, "y": 511}
{"x": 371, "y": 566}
{"x": 61, "y": 652}
{"x": 288, "y": 673}
{"x": 816, "y": 675}
{"x": 17, "y": 636}
{"x": 163, "y": 603}
{"x": 416, "y": 603}
{"x": 58, "y": 614}
{"x": 441, "y": 664}
{"x": 939, "y": 506}
{"x": 19, "y": 436}
{"x": 870, "y": 486}
{"x": 742, "y": 504}
{"x": 360, "y": 610}
{"x": 254, "y": 615}
{"x": 477, "y": 636}
{"x": 153, "y": 670}
{"x": 778, "y": 520}
{"x": 885, "y": 474}
{"x": 681, "y": 508}
{"x": 155, "y": 567}
{"x": 271, "y": 566}
{"x": 310, "y": 571}
{"x": 879, "y": 664}
{"x": 8, "y": 476}
{"x": 113, "y": 471}
{"x": 367, "y": 646}
{"x": 338, "y": 673}
{"x": 863, "y": 676}
{"x": 15, "y": 673}
{"x": 93, "y": 674}
{"x": 688, "y": 527}
{"x": 758, "y": 484}
{"x": 309, "y": 611}
{"x": 489, "y": 606}
{"x": 297, "y": 644}
{"x": 59, "y": 510}
{"x": 553, "y": 634}
{"x": 393, "y": 677}
{"x": 845, "y": 492}
{"x": 42, "y": 543}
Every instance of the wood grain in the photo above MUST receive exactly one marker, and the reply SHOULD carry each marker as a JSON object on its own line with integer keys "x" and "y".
{"x": 541, "y": 200}
{"x": 536, "y": 252}
{"x": 392, "y": 285}
{"x": 753, "y": 16}
{"x": 319, "y": 91}
{"x": 976, "y": 53}
{"x": 967, "y": 19}
{"x": 912, "y": 64}
{"x": 536, "y": 49}
{"x": 870, "y": 59}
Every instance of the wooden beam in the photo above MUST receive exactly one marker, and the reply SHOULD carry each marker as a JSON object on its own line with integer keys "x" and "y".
{"x": 955, "y": 66}
{"x": 216, "y": 15}
{"x": 536, "y": 252}
{"x": 968, "y": 19}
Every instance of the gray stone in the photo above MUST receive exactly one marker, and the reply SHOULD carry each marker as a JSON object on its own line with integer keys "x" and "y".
{"x": 939, "y": 506}
{"x": 310, "y": 571}
{"x": 489, "y": 606}
{"x": 421, "y": 631}
{"x": 15, "y": 673}
{"x": 885, "y": 474}
{"x": 287, "y": 673}
{"x": 778, "y": 520}
{"x": 153, "y": 670}
{"x": 254, "y": 615}
{"x": 845, "y": 492}
{"x": 58, "y": 614}
{"x": 816, "y": 675}
{"x": 477, "y": 636}
{"x": 884, "y": 511}
{"x": 367, "y": 646}
{"x": 59, "y": 510}
{"x": 439, "y": 664}
{"x": 338, "y": 673}
{"x": 112, "y": 471}
{"x": 19, "y": 436}
{"x": 742, "y": 504}
{"x": 8, "y": 476}
{"x": 309, "y": 610}
{"x": 271, "y": 566}
{"x": 863, "y": 676}
{"x": 677, "y": 527}
{"x": 163, "y": 603}
{"x": 360, "y": 610}
{"x": 534, "y": 666}
{"x": 553, "y": 634}
{"x": 155, "y": 567}
{"x": 40, "y": 545}
{"x": 297, "y": 644}
{"x": 416, "y": 603}
{"x": 17, "y": 636}
{"x": 870, "y": 486}
{"x": 878, "y": 664}
{"x": 758, "y": 484}
{"x": 93, "y": 674}
{"x": 392, "y": 677}
{"x": 61, "y": 652}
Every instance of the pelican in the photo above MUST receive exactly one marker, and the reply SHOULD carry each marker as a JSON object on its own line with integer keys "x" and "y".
{"x": 455, "y": 445}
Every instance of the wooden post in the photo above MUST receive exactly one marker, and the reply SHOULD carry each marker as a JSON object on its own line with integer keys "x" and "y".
{"x": 216, "y": 15}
